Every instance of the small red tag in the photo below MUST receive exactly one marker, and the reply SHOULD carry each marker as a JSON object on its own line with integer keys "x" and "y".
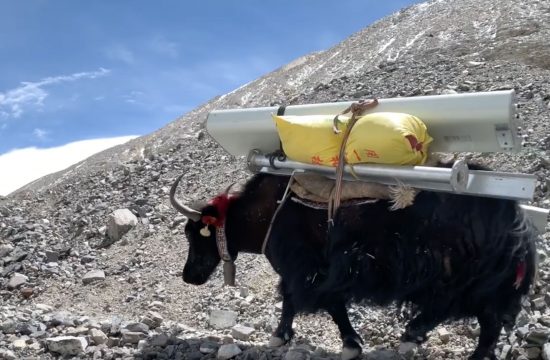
{"x": 520, "y": 274}
{"x": 415, "y": 145}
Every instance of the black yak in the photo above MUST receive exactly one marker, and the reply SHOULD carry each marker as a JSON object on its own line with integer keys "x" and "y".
{"x": 447, "y": 256}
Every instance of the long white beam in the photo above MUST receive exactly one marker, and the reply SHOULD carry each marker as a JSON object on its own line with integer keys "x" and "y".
{"x": 472, "y": 122}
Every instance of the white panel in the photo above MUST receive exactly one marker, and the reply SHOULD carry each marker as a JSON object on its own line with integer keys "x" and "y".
{"x": 460, "y": 122}
{"x": 539, "y": 216}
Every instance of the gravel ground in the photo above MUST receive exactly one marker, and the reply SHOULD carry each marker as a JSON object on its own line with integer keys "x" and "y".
{"x": 67, "y": 290}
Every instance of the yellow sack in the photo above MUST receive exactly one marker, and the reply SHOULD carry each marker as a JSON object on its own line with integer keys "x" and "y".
{"x": 380, "y": 137}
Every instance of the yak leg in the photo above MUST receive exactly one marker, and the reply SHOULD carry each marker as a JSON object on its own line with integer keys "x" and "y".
{"x": 350, "y": 339}
{"x": 490, "y": 327}
{"x": 284, "y": 331}
{"x": 418, "y": 328}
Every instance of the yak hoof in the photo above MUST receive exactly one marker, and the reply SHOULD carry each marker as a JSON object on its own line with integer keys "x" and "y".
{"x": 275, "y": 341}
{"x": 407, "y": 349}
{"x": 349, "y": 353}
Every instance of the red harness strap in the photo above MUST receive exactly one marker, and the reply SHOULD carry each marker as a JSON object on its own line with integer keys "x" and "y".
{"x": 221, "y": 203}
{"x": 521, "y": 269}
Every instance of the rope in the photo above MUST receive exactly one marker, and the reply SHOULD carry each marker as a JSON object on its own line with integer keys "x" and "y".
{"x": 281, "y": 203}
{"x": 356, "y": 110}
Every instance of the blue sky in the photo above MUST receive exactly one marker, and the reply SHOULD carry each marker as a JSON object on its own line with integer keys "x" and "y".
{"x": 76, "y": 70}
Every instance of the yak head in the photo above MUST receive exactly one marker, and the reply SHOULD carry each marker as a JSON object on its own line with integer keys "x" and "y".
{"x": 203, "y": 256}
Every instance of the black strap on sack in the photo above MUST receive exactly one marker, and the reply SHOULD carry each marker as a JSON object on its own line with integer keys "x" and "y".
{"x": 278, "y": 154}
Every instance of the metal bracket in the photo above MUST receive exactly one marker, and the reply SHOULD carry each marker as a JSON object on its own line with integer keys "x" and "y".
{"x": 501, "y": 185}
{"x": 252, "y": 166}
{"x": 459, "y": 176}
{"x": 538, "y": 216}
{"x": 505, "y": 139}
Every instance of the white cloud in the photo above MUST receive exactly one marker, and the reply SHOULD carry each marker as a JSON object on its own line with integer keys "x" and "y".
{"x": 163, "y": 46}
{"x": 28, "y": 94}
{"x": 32, "y": 94}
{"x": 120, "y": 53}
{"x": 75, "y": 76}
{"x": 40, "y": 133}
{"x": 134, "y": 97}
{"x": 28, "y": 164}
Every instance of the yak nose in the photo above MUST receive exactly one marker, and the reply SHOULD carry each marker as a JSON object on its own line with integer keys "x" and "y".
{"x": 193, "y": 279}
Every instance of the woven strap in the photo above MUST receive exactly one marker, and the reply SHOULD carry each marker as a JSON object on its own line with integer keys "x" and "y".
{"x": 221, "y": 242}
{"x": 281, "y": 203}
{"x": 356, "y": 110}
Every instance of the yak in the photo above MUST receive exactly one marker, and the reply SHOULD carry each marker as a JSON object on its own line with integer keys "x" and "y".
{"x": 446, "y": 257}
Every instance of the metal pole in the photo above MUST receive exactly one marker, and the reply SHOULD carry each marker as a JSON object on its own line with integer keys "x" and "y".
{"x": 455, "y": 178}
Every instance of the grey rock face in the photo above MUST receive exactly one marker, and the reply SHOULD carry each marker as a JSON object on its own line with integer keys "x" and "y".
{"x": 5, "y": 250}
{"x": 98, "y": 336}
{"x": 94, "y": 275}
{"x": 52, "y": 256}
{"x": 7, "y": 354}
{"x": 241, "y": 332}
{"x": 17, "y": 280}
{"x": 152, "y": 319}
{"x": 67, "y": 345}
{"x": 297, "y": 354}
{"x": 137, "y": 327}
{"x": 538, "y": 336}
{"x": 208, "y": 347}
{"x": 407, "y": 349}
{"x": 228, "y": 351}
{"x": 119, "y": 223}
{"x": 222, "y": 319}
{"x": 160, "y": 340}
{"x": 130, "y": 337}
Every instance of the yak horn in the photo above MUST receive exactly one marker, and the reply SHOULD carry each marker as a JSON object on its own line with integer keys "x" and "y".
{"x": 229, "y": 188}
{"x": 191, "y": 214}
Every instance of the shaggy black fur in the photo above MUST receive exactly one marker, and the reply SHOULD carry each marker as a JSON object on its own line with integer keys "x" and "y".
{"x": 449, "y": 256}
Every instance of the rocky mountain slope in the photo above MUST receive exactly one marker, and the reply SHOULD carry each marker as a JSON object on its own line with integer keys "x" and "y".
{"x": 59, "y": 276}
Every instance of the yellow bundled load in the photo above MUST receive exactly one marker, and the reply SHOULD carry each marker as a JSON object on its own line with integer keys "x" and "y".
{"x": 379, "y": 137}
